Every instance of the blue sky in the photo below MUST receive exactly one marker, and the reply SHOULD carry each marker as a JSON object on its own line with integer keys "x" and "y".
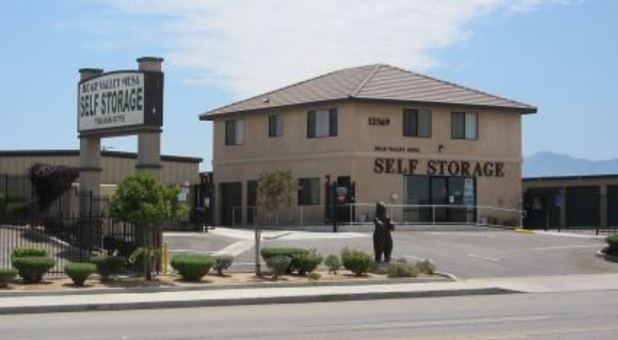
{"x": 559, "y": 55}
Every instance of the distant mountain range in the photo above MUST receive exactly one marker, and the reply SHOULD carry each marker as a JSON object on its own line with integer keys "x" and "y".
{"x": 555, "y": 164}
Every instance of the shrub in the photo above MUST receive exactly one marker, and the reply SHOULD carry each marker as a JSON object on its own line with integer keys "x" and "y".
{"x": 108, "y": 265}
{"x": 314, "y": 276}
{"x": 306, "y": 263}
{"x": 192, "y": 267}
{"x": 401, "y": 268}
{"x": 223, "y": 262}
{"x": 32, "y": 268}
{"x": 278, "y": 265}
{"x": 426, "y": 266}
{"x": 79, "y": 272}
{"x": 356, "y": 261}
{"x": 289, "y": 252}
{"x": 137, "y": 258}
{"x": 612, "y": 244}
{"x": 6, "y": 275}
{"x": 29, "y": 252}
{"x": 333, "y": 263}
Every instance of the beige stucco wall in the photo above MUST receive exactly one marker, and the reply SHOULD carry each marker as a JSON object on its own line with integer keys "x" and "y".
{"x": 352, "y": 152}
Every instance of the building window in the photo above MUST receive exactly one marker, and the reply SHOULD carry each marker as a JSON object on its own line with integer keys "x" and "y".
{"x": 417, "y": 123}
{"x": 464, "y": 125}
{"x": 275, "y": 125}
{"x": 322, "y": 123}
{"x": 234, "y": 132}
{"x": 309, "y": 191}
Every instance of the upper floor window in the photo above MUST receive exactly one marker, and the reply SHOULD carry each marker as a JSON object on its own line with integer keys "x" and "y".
{"x": 416, "y": 123}
{"x": 322, "y": 123}
{"x": 464, "y": 125}
{"x": 275, "y": 125}
{"x": 234, "y": 131}
{"x": 309, "y": 191}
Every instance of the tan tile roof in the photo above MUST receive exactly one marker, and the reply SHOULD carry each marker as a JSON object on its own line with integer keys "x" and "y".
{"x": 371, "y": 82}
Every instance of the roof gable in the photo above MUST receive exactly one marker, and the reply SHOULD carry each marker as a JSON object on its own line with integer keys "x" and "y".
{"x": 374, "y": 82}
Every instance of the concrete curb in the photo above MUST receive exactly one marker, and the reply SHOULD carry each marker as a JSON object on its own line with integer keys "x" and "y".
{"x": 250, "y": 301}
{"x": 206, "y": 286}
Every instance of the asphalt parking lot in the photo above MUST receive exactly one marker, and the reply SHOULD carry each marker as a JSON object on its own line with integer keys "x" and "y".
{"x": 465, "y": 254}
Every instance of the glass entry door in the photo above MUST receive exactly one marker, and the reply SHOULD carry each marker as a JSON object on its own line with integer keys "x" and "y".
{"x": 440, "y": 196}
{"x": 455, "y": 198}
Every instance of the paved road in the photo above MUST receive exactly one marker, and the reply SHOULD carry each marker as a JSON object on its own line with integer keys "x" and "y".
{"x": 466, "y": 254}
{"x": 584, "y": 315}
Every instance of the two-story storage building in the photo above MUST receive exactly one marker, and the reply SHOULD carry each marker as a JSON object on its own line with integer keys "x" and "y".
{"x": 431, "y": 149}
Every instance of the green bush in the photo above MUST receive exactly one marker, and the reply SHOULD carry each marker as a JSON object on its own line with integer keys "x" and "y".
{"x": 192, "y": 267}
{"x": 138, "y": 256}
{"x": 426, "y": 266}
{"x": 401, "y": 268}
{"x": 314, "y": 276}
{"x": 32, "y": 268}
{"x": 223, "y": 262}
{"x": 278, "y": 265}
{"x": 356, "y": 261}
{"x": 108, "y": 265}
{"x": 6, "y": 275}
{"x": 612, "y": 244}
{"x": 288, "y": 251}
{"x": 79, "y": 272}
{"x": 333, "y": 263}
{"x": 29, "y": 252}
{"x": 306, "y": 263}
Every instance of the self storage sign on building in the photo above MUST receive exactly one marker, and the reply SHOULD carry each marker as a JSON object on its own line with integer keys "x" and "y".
{"x": 120, "y": 101}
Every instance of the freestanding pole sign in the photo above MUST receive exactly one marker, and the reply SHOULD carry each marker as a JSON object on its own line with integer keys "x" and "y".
{"x": 118, "y": 103}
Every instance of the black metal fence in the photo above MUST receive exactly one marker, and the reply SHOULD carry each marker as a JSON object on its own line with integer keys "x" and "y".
{"x": 73, "y": 229}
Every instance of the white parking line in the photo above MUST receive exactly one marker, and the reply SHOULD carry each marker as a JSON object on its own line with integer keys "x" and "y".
{"x": 493, "y": 259}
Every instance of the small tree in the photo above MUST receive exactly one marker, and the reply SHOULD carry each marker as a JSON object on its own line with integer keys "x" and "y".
{"x": 50, "y": 181}
{"x": 146, "y": 203}
{"x": 274, "y": 189}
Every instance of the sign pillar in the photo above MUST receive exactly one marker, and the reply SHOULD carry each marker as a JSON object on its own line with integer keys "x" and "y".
{"x": 89, "y": 162}
{"x": 149, "y": 142}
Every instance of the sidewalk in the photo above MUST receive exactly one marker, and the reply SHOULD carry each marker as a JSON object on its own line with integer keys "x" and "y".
{"x": 248, "y": 296}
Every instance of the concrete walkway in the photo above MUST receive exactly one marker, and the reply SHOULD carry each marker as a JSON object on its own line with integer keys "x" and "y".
{"x": 247, "y": 296}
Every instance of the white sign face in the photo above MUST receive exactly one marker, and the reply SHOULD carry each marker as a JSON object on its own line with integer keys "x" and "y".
{"x": 111, "y": 101}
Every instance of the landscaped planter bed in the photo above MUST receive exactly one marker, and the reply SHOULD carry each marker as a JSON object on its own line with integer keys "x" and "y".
{"x": 212, "y": 280}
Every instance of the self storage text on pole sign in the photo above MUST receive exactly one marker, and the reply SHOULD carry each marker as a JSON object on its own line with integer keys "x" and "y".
{"x": 119, "y": 101}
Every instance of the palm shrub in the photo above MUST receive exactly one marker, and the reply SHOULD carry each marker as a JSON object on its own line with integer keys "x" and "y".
{"x": 278, "y": 265}
{"x": 107, "y": 266}
{"x": 356, "y": 261}
{"x": 7, "y": 275}
{"x": 223, "y": 262}
{"x": 401, "y": 268}
{"x": 79, "y": 272}
{"x": 333, "y": 263}
{"x": 426, "y": 266}
{"x": 192, "y": 267}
